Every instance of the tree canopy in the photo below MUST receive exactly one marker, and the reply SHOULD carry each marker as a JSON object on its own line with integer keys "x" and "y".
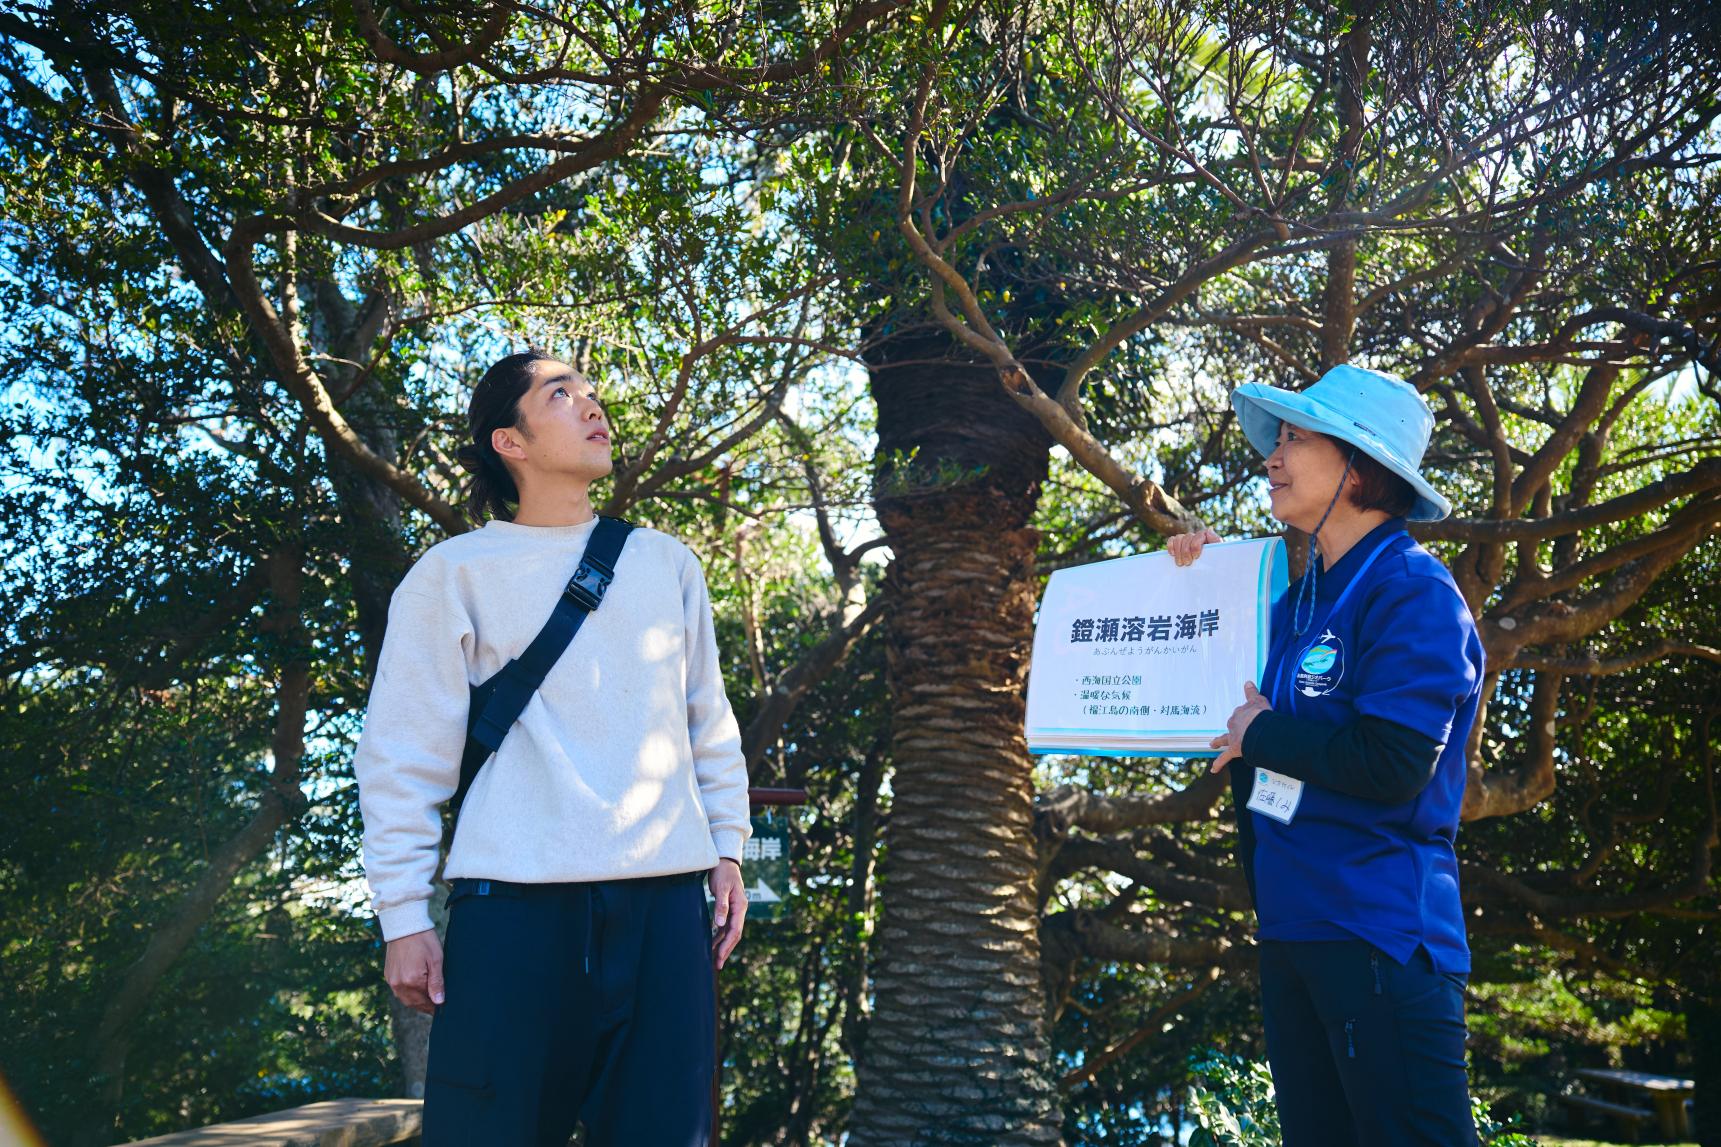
{"x": 896, "y": 307}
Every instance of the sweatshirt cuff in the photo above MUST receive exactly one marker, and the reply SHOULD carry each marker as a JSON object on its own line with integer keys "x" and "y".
{"x": 1280, "y": 742}
{"x": 728, "y": 843}
{"x": 405, "y": 919}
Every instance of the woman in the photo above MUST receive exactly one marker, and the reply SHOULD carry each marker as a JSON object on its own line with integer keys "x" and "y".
{"x": 1353, "y": 776}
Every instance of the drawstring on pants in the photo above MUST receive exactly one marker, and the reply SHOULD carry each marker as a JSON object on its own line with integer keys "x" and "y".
{"x": 591, "y": 894}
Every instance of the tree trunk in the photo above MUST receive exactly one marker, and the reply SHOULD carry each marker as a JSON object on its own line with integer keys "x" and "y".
{"x": 1703, "y": 1029}
{"x": 956, "y": 1049}
{"x": 376, "y": 555}
{"x": 375, "y": 536}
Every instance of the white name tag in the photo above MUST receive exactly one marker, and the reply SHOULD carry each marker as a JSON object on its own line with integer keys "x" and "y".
{"x": 1276, "y": 795}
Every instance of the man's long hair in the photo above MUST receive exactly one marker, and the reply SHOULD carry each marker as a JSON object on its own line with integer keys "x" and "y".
{"x": 491, "y": 491}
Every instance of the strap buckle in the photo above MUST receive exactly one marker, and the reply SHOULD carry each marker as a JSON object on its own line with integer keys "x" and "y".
{"x": 589, "y": 582}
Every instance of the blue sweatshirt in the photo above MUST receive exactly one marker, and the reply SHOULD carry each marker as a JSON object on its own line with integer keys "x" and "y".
{"x": 1398, "y": 650}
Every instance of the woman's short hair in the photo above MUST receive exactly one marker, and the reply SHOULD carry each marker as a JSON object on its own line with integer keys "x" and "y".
{"x": 1378, "y": 488}
{"x": 491, "y": 491}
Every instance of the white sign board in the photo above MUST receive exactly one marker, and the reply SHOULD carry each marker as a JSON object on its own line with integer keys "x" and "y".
{"x": 1137, "y": 657}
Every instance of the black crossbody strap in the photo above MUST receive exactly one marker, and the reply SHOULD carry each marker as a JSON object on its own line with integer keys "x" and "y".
{"x": 498, "y": 702}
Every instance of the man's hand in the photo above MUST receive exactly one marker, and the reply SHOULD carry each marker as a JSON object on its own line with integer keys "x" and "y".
{"x": 730, "y": 912}
{"x": 1231, "y": 741}
{"x": 413, "y": 968}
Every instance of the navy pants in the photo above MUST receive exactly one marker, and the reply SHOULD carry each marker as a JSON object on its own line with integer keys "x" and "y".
{"x": 570, "y": 1003}
{"x": 1366, "y": 1052}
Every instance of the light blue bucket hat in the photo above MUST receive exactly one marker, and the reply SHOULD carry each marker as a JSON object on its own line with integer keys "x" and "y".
{"x": 1380, "y": 415}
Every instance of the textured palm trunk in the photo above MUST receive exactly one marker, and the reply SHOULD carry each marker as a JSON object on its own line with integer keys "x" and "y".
{"x": 956, "y": 1050}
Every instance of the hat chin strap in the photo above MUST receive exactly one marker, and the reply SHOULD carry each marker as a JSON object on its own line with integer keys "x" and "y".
{"x": 1311, "y": 578}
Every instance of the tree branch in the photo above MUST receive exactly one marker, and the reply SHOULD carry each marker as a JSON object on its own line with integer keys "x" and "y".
{"x": 1068, "y": 807}
{"x": 1501, "y": 792}
{"x": 1703, "y": 476}
{"x": 1118, "y": 856}
{"x": 1594, "y": 666}
{"x": 798, "y": 680}
{"x": 429, "y": 63}
{"x": 303, "y": 383}
{"x": 1083, "y": 934}
{"x": 1150, "y": 1028}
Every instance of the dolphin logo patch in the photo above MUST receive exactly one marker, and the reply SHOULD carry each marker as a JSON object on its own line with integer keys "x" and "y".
{"x": 1321, "y": 666}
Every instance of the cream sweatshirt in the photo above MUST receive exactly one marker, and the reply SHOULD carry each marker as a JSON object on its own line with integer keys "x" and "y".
{"x": 626, "y": 763}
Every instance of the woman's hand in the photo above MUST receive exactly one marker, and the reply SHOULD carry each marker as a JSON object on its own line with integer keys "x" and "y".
{"x": 1185, "y": 548}
{"x": 1231, "y": 741}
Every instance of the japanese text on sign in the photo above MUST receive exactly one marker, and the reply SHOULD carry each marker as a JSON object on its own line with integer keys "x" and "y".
{"x": 1167, "y": 627}
{"x": 770, "y": 848}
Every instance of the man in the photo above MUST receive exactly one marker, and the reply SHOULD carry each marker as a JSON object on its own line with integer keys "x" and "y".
{"x": 576, "y": 985}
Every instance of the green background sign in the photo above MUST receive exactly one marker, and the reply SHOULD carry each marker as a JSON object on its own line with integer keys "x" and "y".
{"x": 765, "y": 869}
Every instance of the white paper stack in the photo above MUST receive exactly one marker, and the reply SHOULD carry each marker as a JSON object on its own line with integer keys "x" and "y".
{"x": 1136, "y": 657}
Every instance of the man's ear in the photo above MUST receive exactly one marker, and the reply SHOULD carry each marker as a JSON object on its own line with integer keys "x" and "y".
{"x": 508, "y": 442}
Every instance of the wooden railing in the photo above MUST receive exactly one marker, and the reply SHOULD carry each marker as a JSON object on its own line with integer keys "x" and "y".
{"x": 332, "y": 1123}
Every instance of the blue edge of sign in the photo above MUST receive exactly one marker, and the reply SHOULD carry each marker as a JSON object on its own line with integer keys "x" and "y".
{"x": 1275, "y": 577}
